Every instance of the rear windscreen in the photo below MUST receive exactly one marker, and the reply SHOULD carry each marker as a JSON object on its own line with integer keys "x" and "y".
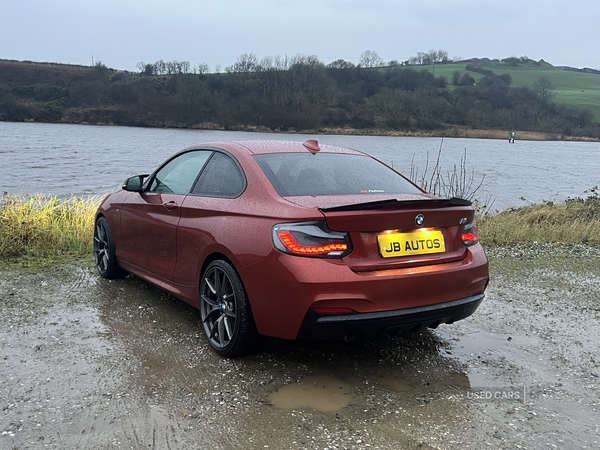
{"x": 298, "y": 174}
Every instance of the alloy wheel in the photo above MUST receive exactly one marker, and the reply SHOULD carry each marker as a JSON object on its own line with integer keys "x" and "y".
{"x": 218, "y": 307}
{"x": 101, "y": 247}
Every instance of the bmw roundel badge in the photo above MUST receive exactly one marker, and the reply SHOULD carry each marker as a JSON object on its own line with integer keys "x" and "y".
{"x": 420, "y": 220}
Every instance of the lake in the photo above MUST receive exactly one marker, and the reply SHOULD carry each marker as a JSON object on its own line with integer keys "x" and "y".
{"x": 82, "y": 160}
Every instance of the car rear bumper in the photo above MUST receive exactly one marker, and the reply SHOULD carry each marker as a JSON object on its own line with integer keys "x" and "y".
{"x": 284, "y": 290}
{"x": 370, "y": 325}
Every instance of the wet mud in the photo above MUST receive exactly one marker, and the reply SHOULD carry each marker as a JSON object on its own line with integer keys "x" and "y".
{"x": 88, "y": 363}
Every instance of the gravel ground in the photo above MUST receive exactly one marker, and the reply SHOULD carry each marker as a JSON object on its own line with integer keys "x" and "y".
{"x": 93, "y": 364}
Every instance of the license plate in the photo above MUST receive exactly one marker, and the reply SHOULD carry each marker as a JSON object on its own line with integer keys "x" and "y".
{"x": 420, "y": 242}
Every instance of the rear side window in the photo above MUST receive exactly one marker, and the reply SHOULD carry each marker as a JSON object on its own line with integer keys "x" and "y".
{"x": 222, "y": 177}
{"x": 299, "y": 174}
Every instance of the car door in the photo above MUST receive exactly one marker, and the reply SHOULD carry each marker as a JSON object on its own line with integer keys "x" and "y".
{"x": 207, "y": 214}
{"x": 149, "y": 219}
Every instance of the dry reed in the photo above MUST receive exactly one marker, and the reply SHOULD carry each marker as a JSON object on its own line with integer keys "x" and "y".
{"x": 44, "y": 227}
{"x": 572, "y": 221}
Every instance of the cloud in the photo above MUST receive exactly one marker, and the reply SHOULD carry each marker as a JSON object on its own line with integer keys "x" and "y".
{"x": 122, "y": 33}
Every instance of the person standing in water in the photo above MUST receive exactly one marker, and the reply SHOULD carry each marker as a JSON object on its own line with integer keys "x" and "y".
{"x": 511, "y": 137}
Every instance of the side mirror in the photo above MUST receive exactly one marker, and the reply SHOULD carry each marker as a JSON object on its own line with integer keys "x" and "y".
{"x": 134, "y": 184}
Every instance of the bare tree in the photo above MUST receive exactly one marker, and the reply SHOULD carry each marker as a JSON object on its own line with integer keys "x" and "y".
{"x": 265, "y": 64}
{"x": 185, "y": 66}
{"x": 340, "y": 64}
{"x": 245, "y": 63}
{"x": 441, "y": 56}
{"x": 436, "y": 56}
{"x": 202, "y": 68}
{"x": 281, "y": 63}
{"x": 418, "y": 59}
{"x": 392, "y": 106}
{"x": 160, "y": 67}
{"x": 543, "y": 86}
{"x": 430, "y": 57}
{"x": 370, "y": 58}
{"x": 145, "y": 69}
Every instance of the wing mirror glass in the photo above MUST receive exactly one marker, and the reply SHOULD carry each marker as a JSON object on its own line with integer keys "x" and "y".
{"x": 135, "y": 184}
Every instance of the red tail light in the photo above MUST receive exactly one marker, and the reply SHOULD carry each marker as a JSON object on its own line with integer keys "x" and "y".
{"x": 295, "y": 247}
{"x": 470, "y": 234}
{"x": 311, "y": 239}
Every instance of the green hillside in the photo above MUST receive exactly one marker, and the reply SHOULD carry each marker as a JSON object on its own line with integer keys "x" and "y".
{"x": 574, "y": 89}
{"x": 307, "y": 95}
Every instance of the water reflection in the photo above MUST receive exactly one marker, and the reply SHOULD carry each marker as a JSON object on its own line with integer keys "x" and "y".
{"x": 143, "y": 376}
{"x": 321, "y": 392}
{"x": 169, "y": 354}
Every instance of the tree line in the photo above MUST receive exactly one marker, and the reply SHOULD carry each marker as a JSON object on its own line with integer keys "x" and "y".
{"x": 281, "y": 93}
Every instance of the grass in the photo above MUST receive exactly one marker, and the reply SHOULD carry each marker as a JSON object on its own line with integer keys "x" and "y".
{"x": 573, "y": 89}
{"x": 576, "y": 220}
{"x": 39, "y": 231}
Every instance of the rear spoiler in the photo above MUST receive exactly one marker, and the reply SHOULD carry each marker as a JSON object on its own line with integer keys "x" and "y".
{"x": 393, "y": 203}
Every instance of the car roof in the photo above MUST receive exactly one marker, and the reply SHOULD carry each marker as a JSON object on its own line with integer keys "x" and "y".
{"x": 256, "y": 147}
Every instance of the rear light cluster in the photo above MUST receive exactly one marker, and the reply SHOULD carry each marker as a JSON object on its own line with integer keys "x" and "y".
{"x": 311, "y": 239}
{"x": 470, "y": 234}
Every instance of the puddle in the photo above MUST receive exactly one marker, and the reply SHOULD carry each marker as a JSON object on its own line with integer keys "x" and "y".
{"x": 505, "y": 353}
{"x": 410, "y": 383}
{"x": 320, "y": 392}
{"x": 399, "y": 384}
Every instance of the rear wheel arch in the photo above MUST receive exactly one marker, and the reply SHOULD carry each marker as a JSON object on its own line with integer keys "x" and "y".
{"x": 213, "y": 257}
{"x": 225, "y": 310}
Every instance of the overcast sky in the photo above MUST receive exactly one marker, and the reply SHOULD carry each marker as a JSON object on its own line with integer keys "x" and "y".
{"x": 121, "y": 33}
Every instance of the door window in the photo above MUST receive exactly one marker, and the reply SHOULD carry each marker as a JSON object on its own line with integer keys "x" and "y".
{"x": 179, "y": 174}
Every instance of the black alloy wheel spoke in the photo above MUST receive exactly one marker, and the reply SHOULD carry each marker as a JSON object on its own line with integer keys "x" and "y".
{"x": 214, "y": 329}
{"x": 218, "y": 331}
{"x": 224, "y": 285}
{"x": 210, "y": 286}
{"x": 101, "y": 247}
{"x": 210, "y": 301}
{"x": 212, "y": 316}
{"x": 218, "y": 307}
{"x": 228, "y": 323}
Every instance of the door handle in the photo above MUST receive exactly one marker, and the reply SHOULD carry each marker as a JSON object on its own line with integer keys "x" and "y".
{"x": 170, "y": 205}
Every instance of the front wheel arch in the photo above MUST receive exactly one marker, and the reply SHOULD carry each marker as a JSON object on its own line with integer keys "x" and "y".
{"x": 105, "y": 251}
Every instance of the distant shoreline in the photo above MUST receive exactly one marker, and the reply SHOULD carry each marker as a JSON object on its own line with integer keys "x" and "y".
{"x": 472, "y": 134}
{"x": 453, "y": 132}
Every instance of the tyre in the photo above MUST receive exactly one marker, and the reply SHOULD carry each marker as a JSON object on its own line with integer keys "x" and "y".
{"x": 104, "y": 251}
{"x": 226, "y": 316}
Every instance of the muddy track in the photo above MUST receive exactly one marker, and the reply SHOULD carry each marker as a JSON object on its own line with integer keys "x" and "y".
{"x": 93, "y": 364}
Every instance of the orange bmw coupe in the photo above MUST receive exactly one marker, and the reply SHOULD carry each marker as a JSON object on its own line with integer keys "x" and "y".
{"x": 294, "y": 240}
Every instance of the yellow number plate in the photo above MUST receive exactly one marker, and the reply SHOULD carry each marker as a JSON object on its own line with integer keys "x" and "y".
{"x": 415, "y": 243}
